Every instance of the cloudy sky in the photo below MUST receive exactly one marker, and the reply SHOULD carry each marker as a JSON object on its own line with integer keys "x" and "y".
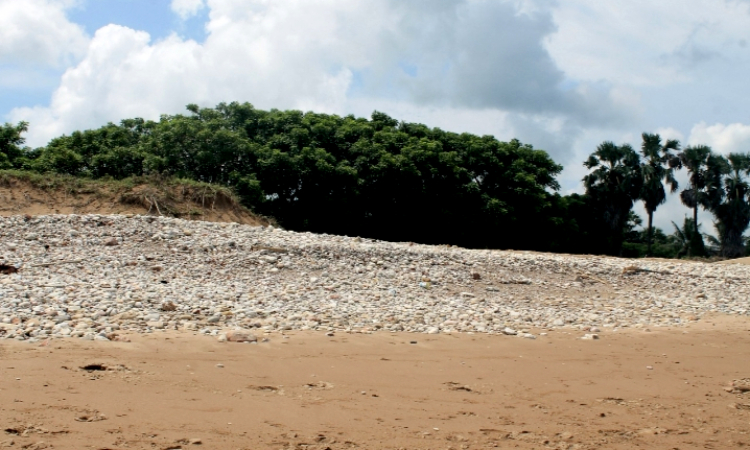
{"x": 560, "y": 75}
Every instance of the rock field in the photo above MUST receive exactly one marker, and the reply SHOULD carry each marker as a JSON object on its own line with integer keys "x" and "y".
{"x": 94, "y": 276}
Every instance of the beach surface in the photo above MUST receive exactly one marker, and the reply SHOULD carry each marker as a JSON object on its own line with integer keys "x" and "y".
{"x": 662, "y": 389}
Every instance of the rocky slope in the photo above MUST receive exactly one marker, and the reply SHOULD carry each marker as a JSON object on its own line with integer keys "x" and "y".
{"x": 91, "y": 276}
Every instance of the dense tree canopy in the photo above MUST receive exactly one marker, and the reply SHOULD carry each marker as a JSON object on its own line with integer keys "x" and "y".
{"x": 381, "y": 178}
{"x": 317, "y": 172}
{"x": 614, "y": 184}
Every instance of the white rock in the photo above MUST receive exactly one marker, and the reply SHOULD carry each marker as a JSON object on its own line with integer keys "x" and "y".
{"x": 327, "y": 283}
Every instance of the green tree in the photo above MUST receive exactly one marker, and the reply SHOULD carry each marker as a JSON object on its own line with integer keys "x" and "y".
{"x": 376, "y": 177}
{"x": 60, "y": 159}
{"x": 614, "y": 184}
{"x": 657, "y": 168}
{"x": 704, "y": 171}
{"x": 727, "y": 198}
{"x": 683, "y": 237}
{"x": 119, "y": 162}
{"x": 11, "y": 140}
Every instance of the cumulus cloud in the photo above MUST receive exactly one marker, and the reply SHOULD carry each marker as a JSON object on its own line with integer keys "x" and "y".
{"x": 187, "y": 8}
{"x": 722, "y": 138}
{"x": 124, "y": 74}
{"x": 494, "y": 58}
{"x": 480, "y": 54}
{"x": 670, "y": 133}
{"x": 647, "y": 43}
{"x": 37, "y": 32}
{"x": 333, "y": 56}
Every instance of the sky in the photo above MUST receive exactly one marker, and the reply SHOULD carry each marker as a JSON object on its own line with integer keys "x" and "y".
{"x": 563, "y": 76}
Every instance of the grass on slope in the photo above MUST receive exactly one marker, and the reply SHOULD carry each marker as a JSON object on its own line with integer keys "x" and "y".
{"x": 31, "y": 192}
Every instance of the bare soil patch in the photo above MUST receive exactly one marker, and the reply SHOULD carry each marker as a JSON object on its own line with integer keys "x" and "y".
{"x": 34, "y": 194}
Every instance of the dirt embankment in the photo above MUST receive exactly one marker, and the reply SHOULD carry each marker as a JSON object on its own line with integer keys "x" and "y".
{"x": 34, "y": 195}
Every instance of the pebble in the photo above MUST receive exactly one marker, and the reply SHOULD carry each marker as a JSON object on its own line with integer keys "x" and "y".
{"x": 240, "y": 336}
{"x": 103, "y": 275}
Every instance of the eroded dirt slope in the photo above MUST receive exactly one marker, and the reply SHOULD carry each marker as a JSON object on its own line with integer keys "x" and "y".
{"x": 19, "y": 197}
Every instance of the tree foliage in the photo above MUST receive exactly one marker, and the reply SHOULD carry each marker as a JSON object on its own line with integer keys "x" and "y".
{"x": 614, "y": 184}
{"x": 657, "y": 168}
{"x": 728, "y": 198}
{"x": 399, "y": 181}
{"x": 378, "y": 178}
{"x": 11, "y": 140}
{"x": 683, "y": 237}
{"x": 702, "y": 165}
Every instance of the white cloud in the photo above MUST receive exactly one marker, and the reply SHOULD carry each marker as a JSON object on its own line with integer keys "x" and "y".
{"x": 563, "y": 76}
{"x": 332, "y": 56}
{"x": 125, "y": 75}
{"x": 37, "y": 32}
{"x": 646, "y": 43}
{"x": 187, "y": 8}
{"x": 732, "y": 138}
{"x": 670, "y": 133}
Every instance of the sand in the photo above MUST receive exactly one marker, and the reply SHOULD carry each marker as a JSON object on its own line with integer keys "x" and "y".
{"x": 736, "y": 261}
{"x": 630, "y": 389}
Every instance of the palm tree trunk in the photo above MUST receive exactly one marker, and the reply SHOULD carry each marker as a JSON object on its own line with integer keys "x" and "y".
{"x": 650, "y": 231}
{"x": 732, "y": 246}
{"x": 695, "y": 228}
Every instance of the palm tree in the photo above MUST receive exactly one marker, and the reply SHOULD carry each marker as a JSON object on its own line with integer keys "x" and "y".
{"x": 657, "y": 167}
{"x": 701, "y": 164}
{"x": 683, "y": 237}
{"x": 728, "y": 199}
{"x": 614, "y": 184}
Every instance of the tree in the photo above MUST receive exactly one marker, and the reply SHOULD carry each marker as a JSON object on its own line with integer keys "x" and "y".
{"x": 10, "y": 143}
{"x": 614, "y": 184}
{"x": 702, "y": 166}
{"x": 378, "y": 177}
{"x": 727, "y": 198}
{"x": 657, "y": 167}
{"x": 630, "y": 232}
{"x": 683, "y": 237}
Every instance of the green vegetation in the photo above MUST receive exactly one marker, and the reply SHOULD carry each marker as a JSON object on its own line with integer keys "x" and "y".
{"x": 381, "y": 178}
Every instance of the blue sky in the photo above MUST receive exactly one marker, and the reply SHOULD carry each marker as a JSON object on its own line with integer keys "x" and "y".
{"x": 153, "y": 16}
{"x": 562, "y": 76}
{"x": 156, "y": 17}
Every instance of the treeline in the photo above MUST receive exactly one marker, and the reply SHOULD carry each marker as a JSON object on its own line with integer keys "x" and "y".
{"x": 619, "y": 176}
{"x": 398, "y": 181}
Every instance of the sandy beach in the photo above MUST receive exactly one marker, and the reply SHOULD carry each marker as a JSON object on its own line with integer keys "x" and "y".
{"x": 663, "y": 389}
